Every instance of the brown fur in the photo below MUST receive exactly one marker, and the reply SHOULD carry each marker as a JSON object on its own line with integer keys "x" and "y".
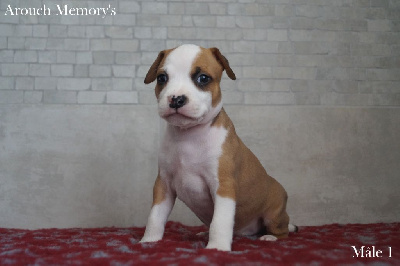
{"x": 159, "y": 191}
{"x": 244, "y": 179}
{"x": 156, "y": 69}
{"x": 224, "y": 62}
{"x": 211, "y": 67}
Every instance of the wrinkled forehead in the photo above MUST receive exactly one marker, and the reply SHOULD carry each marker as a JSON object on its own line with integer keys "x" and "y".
{"x": 181, "y": 59}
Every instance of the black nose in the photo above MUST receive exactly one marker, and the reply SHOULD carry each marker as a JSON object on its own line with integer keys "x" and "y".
{"x": 178, "y": 102}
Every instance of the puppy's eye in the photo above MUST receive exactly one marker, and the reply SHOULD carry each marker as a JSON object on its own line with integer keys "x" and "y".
{"x": 203, "y": 80}
{"x": 162, "y": 79}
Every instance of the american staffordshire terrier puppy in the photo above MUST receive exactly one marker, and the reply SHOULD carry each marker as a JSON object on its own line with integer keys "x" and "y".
{"x": 202, "y": 161}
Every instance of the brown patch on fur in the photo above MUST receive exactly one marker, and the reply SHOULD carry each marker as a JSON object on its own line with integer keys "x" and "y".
{"x": 209, "y": 61}
{"x": 209, "y": 66}
{"x": 224, "y": 62}
{"x": 159, "y": 191}
{"x": 154, "y": 70}
{"x": 243, "y": 178}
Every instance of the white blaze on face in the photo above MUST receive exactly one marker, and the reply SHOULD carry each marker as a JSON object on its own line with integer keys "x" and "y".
{"x": 178, "y": 66}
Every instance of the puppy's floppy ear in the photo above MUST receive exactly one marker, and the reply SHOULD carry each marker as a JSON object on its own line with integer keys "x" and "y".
{"x": 152, "y": 73}
{"x": 224, "y": 62}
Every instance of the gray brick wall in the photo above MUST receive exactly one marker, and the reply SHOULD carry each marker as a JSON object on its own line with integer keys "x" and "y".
{"x": 284, "y": 52}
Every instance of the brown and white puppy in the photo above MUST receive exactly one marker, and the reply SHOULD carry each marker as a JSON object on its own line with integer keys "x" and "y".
{"x": 202, "y": 161}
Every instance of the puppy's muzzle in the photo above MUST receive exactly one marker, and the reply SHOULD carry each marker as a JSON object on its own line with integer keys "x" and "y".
{"x": 178, "y": 101}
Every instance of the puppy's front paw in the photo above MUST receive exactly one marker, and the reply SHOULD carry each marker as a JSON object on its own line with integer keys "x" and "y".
{"x": 149, "y": 239}
{"x": 218, "y": 245}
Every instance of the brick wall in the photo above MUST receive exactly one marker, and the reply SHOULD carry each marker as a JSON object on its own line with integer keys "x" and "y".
{"x": 284, "y": 52}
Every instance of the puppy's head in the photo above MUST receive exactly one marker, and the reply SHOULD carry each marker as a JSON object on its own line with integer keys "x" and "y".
{"x": 187, "y": 90}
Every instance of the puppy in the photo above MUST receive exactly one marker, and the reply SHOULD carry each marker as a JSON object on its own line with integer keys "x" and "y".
{"x": 202, "y": 161}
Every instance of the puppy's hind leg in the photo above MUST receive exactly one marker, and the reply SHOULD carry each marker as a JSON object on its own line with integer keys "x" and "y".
{"x": 276, "y": 228}
{"x": 275, "y": 218}
{"x": 291, "y": 227}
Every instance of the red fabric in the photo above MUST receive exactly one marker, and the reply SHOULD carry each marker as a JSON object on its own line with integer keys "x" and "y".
{"x": 328, "y": 244}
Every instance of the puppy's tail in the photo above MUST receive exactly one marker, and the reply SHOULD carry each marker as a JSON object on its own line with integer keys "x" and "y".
{"x": 293, "y": 228}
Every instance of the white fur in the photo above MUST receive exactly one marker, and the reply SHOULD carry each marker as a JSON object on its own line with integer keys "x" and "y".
{"x": 221, "y": 228}
{"x": 190, "y": 151}
{"x": 158, "y": 217}
{"x": 268, "y": 238}
{"x": 178, "y": 65}
{"x": 292, "y": 228}
{"x": 188, "y": 160}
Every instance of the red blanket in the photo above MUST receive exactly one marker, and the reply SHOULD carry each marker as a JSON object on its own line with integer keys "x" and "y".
{"x": 328, "y": 244}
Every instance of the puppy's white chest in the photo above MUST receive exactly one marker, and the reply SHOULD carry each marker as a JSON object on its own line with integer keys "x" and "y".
{"x": 189, "y": 162}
